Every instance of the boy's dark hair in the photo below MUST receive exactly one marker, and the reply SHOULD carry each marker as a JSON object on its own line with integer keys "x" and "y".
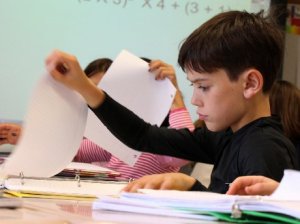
{"x": 98, "y": 65}
{"x": 235, "y": 41}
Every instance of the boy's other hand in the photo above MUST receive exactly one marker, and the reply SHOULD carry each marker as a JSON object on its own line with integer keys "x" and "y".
{"x": 165, "y": 181}
{"x": 252, "y": 185}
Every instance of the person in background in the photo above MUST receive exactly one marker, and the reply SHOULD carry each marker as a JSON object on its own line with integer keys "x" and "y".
{"x": 232, "y": 61}
{"x": 147, "y": 163}
{"x": 9, "y": 133}
{"x": 285, "y": 103}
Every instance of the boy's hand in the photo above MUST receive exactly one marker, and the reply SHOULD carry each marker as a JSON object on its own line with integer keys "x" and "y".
{"x": 252, "y": 185}
{"x": 165, "y": 181}
{"x": 65, "y": 69}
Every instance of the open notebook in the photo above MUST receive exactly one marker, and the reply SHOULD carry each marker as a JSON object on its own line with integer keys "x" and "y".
{"x": 84, "y": 181}
{"x": 282, "y": 206}
{"x": 61, "y": 188}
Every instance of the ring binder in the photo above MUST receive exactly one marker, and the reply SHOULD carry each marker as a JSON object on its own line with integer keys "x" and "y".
{"x": 235, "y": 211}
{"x": 63, "y": 188}
{"x": 77, "y": 178}
{"x": 66, "y": 187}
{"x": 22, "y": 178}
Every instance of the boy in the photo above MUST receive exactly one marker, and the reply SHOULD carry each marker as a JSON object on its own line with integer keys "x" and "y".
{"x": 232, "y": 61}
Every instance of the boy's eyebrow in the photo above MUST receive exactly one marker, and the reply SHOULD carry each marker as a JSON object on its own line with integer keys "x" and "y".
{"x": 197, "y": 80}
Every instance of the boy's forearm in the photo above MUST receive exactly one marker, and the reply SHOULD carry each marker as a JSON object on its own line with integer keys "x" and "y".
{"x": 93, "y": 96}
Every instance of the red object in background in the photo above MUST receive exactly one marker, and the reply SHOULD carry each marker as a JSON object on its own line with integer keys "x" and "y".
{"x": 295, "y": 17}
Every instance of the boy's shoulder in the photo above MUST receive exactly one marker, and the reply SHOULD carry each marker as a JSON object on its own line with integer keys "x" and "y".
{"x": 263, "y": 127}
{"x": 264, "y": 135}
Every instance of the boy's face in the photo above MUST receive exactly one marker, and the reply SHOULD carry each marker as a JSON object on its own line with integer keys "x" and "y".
{"x": 220, "y": 102}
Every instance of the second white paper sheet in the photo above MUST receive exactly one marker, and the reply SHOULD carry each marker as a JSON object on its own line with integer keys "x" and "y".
{"x": 129, "y": 82}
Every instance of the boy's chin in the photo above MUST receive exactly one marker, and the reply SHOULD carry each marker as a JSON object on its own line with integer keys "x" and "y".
{"x": 214, "y": 127}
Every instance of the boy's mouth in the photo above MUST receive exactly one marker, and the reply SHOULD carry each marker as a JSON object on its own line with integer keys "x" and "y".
{"x": 202, "y": 116}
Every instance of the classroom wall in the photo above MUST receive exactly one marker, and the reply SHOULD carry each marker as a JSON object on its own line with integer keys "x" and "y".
{"x": 291, "y": 66}
{"x": 89, "y": 29}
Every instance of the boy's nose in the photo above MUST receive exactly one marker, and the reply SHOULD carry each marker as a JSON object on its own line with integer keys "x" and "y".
{"x": 196, "y": 100}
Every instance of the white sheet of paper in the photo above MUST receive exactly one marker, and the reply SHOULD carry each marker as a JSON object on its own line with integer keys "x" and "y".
{"x": 289, "y": 186}
{"x": 52, "y": 132}
{"x": 87, "y": 167}
{"x": 129, "y": 82}
{"x": 192, "y": 203}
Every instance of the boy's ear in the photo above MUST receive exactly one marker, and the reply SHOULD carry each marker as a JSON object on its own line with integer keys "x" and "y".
{"x": 253, "y": 83}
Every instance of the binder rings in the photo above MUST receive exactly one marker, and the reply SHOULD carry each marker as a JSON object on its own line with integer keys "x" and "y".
{"x": 62, "y": 188}
{"x": 83, "y": 183}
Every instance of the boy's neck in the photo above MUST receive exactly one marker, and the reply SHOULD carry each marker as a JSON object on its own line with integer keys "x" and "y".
{"x": 257, "y": 108}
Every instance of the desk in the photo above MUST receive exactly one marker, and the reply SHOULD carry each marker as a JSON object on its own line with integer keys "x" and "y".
{"x": 50, "y": 211}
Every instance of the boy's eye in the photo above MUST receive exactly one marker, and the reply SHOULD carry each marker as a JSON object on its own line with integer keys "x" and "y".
{"x": 199, "y": 86}
{"x": 203, "y": 88}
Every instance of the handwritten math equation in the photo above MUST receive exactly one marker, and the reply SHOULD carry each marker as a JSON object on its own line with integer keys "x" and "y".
{"x": 189, "y": 7}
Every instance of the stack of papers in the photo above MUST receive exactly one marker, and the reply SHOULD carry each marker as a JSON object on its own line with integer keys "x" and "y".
{"x": 205, "y": 205}
{"x": 87, "y": 170}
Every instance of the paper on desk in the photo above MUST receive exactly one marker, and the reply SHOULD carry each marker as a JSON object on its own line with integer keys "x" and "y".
{"x": 193, "y": 204}
{"x": 52, "y": 132}
{"x": 289, "y": 186}
{"x": 168, "y": 203}
{"x": 87, "y": 167}
{"x": 285, "y": 199}
{"x": 129, "y": 82}
{"x": 68, "y": 188}
{"x": 112, "y": 204}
